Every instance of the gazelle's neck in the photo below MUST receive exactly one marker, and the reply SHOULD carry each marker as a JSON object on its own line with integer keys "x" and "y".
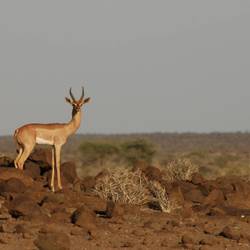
{"x": 75, "y": 122}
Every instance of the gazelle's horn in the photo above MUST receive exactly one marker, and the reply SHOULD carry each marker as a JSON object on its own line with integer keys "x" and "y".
{"x": 71, "y": 94}
{"x": 82, "y": 94}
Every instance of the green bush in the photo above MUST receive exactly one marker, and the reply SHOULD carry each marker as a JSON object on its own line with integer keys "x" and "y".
{"x": 137, "y": 150}
{"x": 97, "y": 152}
{"x": 127, "y": 152}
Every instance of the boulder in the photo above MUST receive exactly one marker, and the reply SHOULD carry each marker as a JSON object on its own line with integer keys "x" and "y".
{"x": 188, "y": 239}
{"x": 197, "y": 179}
{"x": 53, "y": 198}
{"x": 8, "y": 173}
{"x": 32, "y": 169}
{"x": 85, "y": 218}
{"x": 68, "y": 170}
{"x": 230, "y": 233}
{"x": 215, "y": 197}
{"x": 6, "y": 162}
{"x": 23, "y": 206}
{"x": 194, "y": 195}
{"x": 53, "y": 241}
{"x": 12, "y": 185}
{"x": 112, "y": 210}
{"x": 88, "y": 184}
{"x": 61, "y": 217}
{"x": 41, "y": 156}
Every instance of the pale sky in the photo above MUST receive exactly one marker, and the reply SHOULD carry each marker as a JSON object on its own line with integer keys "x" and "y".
{"x": 149, "y": 66}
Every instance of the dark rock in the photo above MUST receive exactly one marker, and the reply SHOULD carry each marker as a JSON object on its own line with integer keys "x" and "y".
{"x": 41, "y": 156}
{"x": 88, "y": 184}
{"x": 216, "y": 211}
{"x": 32, "y": 169}
{"x": 197, "y": 179}
{"x": 53, "y": 241}
{"x": 62, "y": 217}
{"x": 53, "y": 198}
{"x": 208, "y": 241}
{"x": 112, "y": 210}
{"x": 68, "y": 170}
{"x": 12, "y": 185}
{"x": 155, "y": 205}
{"x": 230, "y": 233}
{"x": 213, "y": 228}
{"x": 8, "y": 173}
{"x": 81, "y": 232}
{"x": 22, "y": 229}
{"x": 24, "y": 206}
{"x": 185, "y": 186}
{"x": 215, "y": 197}
{"x": 194, "y": 195}
{"x": 187, "y": 239}
{"x": 6, "y": 162}
{"x": 84, "y": 217}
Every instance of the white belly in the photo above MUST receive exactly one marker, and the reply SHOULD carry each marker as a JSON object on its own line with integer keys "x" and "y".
{"x": 43, "y": 141}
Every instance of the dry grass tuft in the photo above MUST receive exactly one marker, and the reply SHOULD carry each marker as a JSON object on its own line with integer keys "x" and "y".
{"x": 180, "y": 169}
{"x": 124, "y": 186}
{"x": 161, "y": 196}
{"x": 132, "y": 187}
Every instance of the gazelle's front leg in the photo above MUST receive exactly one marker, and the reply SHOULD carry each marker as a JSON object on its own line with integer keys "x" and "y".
{"x": 52, "y": 183}
{"x": 58, "y": 167}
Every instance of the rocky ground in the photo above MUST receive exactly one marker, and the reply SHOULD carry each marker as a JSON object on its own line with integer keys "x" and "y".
{"x": 213, "y": 214}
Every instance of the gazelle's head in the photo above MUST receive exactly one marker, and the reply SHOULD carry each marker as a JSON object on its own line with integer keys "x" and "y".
{"x": 77, "y": 104}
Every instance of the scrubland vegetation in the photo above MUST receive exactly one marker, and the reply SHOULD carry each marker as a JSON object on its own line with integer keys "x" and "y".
{"x": 215, "y": 154}
{"x": 159, "y": 191}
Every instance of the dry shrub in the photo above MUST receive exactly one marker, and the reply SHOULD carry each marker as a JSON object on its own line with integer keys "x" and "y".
{"x": 124, "y": 186}
{"x": 161, "y": 196}
{"x": 180, "y": 169}
{"x": 132, "y": 187}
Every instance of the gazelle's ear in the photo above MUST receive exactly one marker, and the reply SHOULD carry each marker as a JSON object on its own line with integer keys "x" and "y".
{"x": 68, "y": 100}
{"x": 87, "y": 100}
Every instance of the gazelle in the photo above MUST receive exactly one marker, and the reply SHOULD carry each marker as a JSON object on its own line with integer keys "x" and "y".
{"x": 54, "y": 134}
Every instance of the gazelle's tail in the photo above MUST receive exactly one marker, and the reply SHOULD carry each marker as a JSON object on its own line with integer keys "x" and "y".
{"x": 15, "y": 137}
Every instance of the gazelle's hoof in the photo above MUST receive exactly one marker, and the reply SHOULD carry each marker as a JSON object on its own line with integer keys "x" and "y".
{"x": 59, "y": 191}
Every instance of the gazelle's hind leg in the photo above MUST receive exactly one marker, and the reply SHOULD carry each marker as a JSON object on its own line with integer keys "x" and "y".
{"x": 20, "y": 151}
{"x": 52, "y": 183}
{"x": 25, "y": 155}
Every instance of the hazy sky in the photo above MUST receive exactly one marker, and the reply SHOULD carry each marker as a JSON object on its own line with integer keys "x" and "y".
{"x": 148, "y": 65}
